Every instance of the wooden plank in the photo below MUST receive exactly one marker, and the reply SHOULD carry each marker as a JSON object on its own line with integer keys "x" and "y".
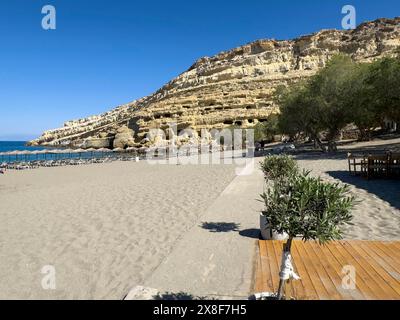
{"x": 361, "y": 272}
{"x": 294, "y": 288}
{"x": 386, "y": 260}
{"x": 396, "y": 244}
{"x": 326, "y": 280}
{"x": 336, "y": 249}
{"x": 319, "y": 287}
{"x": 308, "y": 286}
{"x": 388, "y": 251}
{"x": 374, "y": 276}
{"x": 377, "y": 266}
{"x": 382, "y": 269}
{"x": 265, "y": 268}
{"x": 274, "y": 265}
{"x": 259, "y": 281}
{"x": 334, "y": 271}
{"x": 392, "y": 261}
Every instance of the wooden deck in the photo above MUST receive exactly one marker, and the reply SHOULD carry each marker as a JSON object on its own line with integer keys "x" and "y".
{"x": 376, "y": 265}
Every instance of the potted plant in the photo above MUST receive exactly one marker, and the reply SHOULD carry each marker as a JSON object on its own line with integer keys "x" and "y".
{"x": 306, "y": 207}
{"x": 277, "y": 170}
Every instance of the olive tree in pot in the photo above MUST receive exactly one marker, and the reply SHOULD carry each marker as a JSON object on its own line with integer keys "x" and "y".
{"x": 306, "y": 207}
{"x": 277, "y": 169}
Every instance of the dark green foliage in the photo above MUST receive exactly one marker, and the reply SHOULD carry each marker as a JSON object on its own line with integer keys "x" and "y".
{"x": 278, "y": 167}
{"x": 265, "y": 131}
{"x": 342, "y": 93}
{"x": 320, "y": 103}
{"x": 359, "y": 102}
{"x": 309, "y": 208}
{"x": 384, "y": 81}
{"x": 298, "y": 111}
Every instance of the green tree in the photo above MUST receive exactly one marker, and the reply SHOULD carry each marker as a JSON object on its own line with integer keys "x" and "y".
{"x": 359, "y": 101}
{"x": 319, "y": 104}
{"x": 307, "y": 207}
{"x": 298, "y": 112}
{"x": 384, "y": 82}
{"x": 265, "y": 131}
{"x": 329, "y": 89}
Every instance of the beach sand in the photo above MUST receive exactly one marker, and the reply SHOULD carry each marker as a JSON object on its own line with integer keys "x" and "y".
{"x": 109, "y": 227}
{"x": 103, "y": 227}
{"x": 376, "y": 215}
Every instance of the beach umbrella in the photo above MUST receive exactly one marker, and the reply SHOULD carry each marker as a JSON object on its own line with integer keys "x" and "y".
{"x": 51, "y": 152}
{"x": 79, "y": 151}
{"x": 3, "y": 155}
{"x": 68, "y": 151}
{"x": 92, "y": 150}
{"x": 13, "y": 153}
{"x": 103, "y": 150}
{"x": 35, "y": 152}
{"x": 44, "y": 152}
{"x": 142, "y": 149}
{"x": 26, "y": 153}
{"x": 59, "y": 151}
{"x": 131, "y": 149}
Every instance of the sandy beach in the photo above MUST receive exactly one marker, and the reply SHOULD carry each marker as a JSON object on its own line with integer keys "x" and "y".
{"x": 104, "y": 228}
{"x": 376, "y": 215}
{"x": 109, "y": 227}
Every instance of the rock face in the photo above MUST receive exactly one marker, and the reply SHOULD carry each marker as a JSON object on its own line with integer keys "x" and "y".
{"x": 97, "y": 143}
{"x": 233, "y": 87}
{"x": 124, "y": 138}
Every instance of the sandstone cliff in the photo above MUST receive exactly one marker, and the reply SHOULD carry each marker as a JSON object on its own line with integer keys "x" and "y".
{"x": 232, "y": 87}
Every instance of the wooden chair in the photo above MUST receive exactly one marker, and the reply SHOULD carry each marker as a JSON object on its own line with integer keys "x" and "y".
{"x": 394, "y": 165}
{"x": 355, "y": 162}
{"x": 377, "y": 166}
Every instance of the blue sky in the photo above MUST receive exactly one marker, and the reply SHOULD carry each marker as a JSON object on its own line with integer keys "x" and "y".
{"x": 105, "y": 53}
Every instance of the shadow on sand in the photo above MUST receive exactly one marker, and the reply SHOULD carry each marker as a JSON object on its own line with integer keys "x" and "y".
{"x": 250, "y": 233}
{"x": 220, "y": 226}
{"x": 231, "y": 227}
{"x": 387, "y": 190}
